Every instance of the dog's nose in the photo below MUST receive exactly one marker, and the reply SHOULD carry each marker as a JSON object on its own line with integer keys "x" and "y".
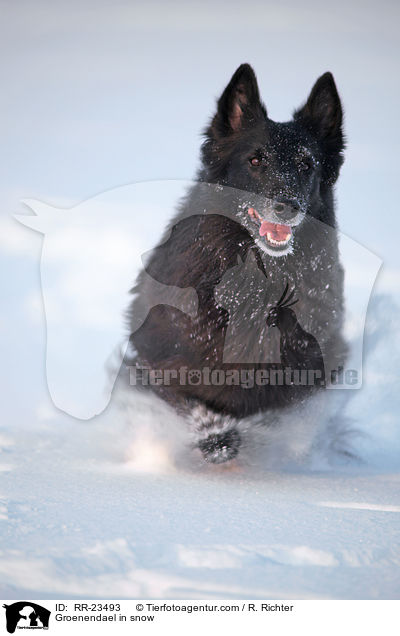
{"x": 286, "y": 209}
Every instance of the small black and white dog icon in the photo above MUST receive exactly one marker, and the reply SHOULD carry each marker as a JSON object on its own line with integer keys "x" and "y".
{"x": 25, "y": 614}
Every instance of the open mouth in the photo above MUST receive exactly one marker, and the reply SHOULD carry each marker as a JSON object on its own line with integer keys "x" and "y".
{"x": 276, "y": 235}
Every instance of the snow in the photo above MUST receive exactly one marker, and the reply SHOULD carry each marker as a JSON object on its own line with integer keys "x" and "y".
{"x": 122, "y": 506}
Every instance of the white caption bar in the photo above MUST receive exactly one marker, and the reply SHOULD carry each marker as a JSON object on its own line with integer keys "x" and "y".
{"x": 159, "y": 617}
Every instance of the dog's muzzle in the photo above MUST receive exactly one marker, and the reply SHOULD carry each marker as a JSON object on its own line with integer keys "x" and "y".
{"x": 276, "y": 222}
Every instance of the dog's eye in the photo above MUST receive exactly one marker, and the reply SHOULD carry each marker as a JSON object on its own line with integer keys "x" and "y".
{"x": 255, "y": 161}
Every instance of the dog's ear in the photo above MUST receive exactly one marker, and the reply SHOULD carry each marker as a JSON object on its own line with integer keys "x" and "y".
{"x": 322, "y": 114}
{"x": 239, "y": 105}
{"x": 323, "y": 111}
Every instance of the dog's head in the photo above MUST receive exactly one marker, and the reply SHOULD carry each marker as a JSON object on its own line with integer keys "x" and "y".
{"x": 283, "y": 170}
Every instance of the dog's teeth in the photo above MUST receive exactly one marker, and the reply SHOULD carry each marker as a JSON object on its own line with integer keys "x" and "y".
{"x": 278, "y": 243}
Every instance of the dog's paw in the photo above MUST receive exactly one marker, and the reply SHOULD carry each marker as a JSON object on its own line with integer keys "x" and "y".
{"x": 218, "y": 448}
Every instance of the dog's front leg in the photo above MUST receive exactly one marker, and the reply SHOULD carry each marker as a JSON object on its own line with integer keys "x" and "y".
{"x": 216, "y": 434}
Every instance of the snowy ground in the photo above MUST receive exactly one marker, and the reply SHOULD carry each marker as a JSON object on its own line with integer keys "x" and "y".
{"x": 121, "y": 507}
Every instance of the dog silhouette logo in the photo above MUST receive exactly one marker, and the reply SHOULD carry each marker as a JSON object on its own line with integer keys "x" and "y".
{"x": 90, "y": 262}
{"x": 26, "y": 615}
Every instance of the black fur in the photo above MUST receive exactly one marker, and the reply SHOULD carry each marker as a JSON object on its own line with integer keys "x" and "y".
{"x": 286, "y": 171}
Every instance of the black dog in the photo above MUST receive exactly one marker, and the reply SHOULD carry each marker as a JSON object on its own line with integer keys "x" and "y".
{"x": 264, "y": 194}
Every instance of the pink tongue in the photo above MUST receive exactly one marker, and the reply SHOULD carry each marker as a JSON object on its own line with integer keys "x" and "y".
{"x": 278, "y": 232}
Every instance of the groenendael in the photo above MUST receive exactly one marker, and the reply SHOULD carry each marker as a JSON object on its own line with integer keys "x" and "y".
{"x": 256, "y": 238}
